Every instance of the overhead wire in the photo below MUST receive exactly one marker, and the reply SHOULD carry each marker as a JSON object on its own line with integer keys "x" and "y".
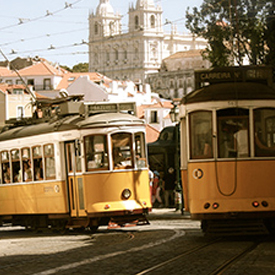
{"x": 48, "y": 13}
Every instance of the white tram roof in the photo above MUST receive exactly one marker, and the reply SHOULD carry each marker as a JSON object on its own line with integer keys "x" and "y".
{"x": 230, "y": 91}
{"x": 74, "y": 122}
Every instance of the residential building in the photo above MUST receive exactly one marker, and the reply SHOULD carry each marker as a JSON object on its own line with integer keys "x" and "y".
{"x": 15, "y": 102}
{"x": 139, "y": 51}
{"x": 41, "y": 75}
{"x": 176, "y": 76}
{"x": 94, "y": 86}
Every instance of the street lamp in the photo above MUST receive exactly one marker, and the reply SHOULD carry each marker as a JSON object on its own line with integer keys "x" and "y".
{"x": 174, "y": 113}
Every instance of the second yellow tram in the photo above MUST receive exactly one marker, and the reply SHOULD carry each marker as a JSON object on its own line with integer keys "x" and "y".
{"x": 228, "y": 150}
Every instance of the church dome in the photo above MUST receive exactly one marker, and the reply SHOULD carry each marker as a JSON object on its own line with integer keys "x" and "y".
{"x": 145, "y": 3}
{"x": 104, "y": 8}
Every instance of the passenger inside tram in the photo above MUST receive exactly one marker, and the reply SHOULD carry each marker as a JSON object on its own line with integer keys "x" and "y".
{"x": 241, "y": 141}
{"x": 7, "y": 175}
{"x": 118, "y": 157}
{"x": 233, "y": 138}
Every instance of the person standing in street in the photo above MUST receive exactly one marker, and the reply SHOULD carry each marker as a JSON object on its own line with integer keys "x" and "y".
{"x": 169, "y": 181}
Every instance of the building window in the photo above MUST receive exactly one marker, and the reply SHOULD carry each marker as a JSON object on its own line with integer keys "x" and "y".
{"x": 96, "y": 28}
{"x": 116, "y": 54}
{"x": 19, "y": 82}
{"x": 136, "y": 54}
{"x": 30, "y": 82}
{"x": 154, "y": 116}
{"x": 47, "y": 84}
{"x": 136, "y": 22}
{"x": 19, "y": 111}
{"x": 171, "y": 84}
{"x": 96, "y": 58}
{"x": 17, "y": 92}
{"x": 153, "y": 21}
{"x": 9, "y": 81}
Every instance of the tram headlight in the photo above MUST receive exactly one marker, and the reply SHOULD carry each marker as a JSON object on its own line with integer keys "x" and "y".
{"x": 126, "y": 194}
{"x": 264, "y": 203}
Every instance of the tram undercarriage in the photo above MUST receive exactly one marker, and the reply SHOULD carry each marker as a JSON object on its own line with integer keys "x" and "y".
{"x": 61, "y": 223}
{"x": 239, "y": 224}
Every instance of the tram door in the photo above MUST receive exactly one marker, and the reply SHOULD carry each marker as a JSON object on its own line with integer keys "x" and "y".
{"x": 74, "y": 178}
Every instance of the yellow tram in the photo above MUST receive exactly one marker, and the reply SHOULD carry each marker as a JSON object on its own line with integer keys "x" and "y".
{"x": 228, "y": 150}
{"x": 77, "y": 166}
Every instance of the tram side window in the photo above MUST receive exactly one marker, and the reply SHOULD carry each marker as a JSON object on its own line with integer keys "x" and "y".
{"x": 37, "y": 163}
{"x": 233, "y": 133}
{"x": 96, "y": 153}
{"x": 27, "y": 167}
{"x": 15, "y": 161}
{"x": 140, "y": 150}
{"x": 201, "y": 135}
{"x": 122, "y": 150}
{"x": 5, "y": 162}
{"x": 49, "y": 161}
{"x": 264, "y": 127}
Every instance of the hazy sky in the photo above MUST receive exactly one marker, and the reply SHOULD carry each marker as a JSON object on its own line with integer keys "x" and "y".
{"x": 56, "y": 29}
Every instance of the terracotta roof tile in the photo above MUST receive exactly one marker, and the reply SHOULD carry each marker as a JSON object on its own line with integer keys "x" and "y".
{"x": 41, "y": 68}
{"x": 69, "y": 78}
{"x": 190, "y": 53}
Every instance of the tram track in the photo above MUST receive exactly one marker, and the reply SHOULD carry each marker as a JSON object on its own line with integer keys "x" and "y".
{"x": 220, "y": 269}
{"x": 188, "y": 252}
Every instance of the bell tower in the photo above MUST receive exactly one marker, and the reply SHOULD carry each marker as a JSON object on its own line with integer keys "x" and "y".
{"x": 145, "y": 17}
{"x": 104, "y": 22}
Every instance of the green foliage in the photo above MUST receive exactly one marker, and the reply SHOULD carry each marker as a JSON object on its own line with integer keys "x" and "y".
{"x": 66, "y": 68}
{"x": 81, "y": 68}
{"x": 235, "y": 29}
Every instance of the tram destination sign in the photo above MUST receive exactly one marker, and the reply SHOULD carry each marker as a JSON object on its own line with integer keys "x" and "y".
{"x": 233, "y": 74}
{"x": 124, "y": 107}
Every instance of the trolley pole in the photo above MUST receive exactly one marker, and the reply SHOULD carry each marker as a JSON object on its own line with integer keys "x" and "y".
{"x": 178, "y": 187}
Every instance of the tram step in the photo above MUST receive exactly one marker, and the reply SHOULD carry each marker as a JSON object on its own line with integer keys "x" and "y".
{"x": 235, "y": 227}
{"x": 118, "y": 222}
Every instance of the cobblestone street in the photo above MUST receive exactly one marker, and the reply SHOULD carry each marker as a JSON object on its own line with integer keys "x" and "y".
{"x": 166, "y": 246}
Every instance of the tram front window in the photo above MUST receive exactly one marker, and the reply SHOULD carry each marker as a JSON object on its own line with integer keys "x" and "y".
{"x": 122, "y": 150}
{"x": 140, "y": 150}
{"x": 96, "y": 152}
{"x": 201, "y": 135}
{"x": 264, "y": 126}
{"x": 233, "y": 133}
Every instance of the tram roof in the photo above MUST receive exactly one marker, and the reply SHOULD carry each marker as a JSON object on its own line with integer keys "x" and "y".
{"x": 69, "y": 123}
{"x": 109, "y": 119}
{"x": 230, "y": 91}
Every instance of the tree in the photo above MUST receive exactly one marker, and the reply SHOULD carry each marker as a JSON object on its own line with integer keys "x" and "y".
{"x": 81, "y": 68}
{"x": 65, "y": 67}
{"x": 234, "y": 29}
{"x": 270, "y": 34}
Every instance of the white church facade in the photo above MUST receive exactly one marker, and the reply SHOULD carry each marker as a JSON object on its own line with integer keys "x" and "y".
{"x": 139, "y": 51}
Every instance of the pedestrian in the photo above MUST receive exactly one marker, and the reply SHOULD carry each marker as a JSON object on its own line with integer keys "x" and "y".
{"x": 151, "y": 180}
{"x": 156, "y": 190}
{"x": 169, "y": 181}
